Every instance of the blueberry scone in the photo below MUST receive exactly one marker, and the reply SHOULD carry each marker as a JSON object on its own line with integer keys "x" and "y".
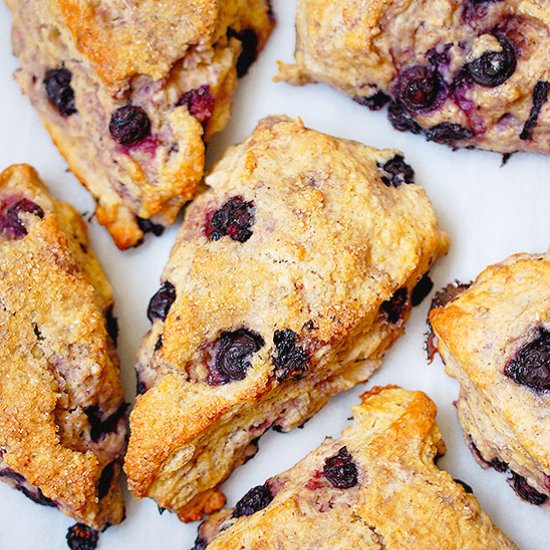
{"x": 290, "y": 278}
{"x": 376, "y": 487}
{"x": 466, "y": 73}
{"x": 131, "y": 91}
{"x": 495, "y": 340}
{"x": 62, "y": 410}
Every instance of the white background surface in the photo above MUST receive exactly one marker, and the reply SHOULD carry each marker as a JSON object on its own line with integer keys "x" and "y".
{"x": 489, "y": 211}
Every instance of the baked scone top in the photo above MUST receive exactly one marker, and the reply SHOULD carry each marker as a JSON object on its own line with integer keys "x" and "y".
{"x": 123, "y": 39}
{"x": 297, "y": 242}
{"x": 58, "y": 365}
{"x": 486, "y": 328}
{"x": 386, "y": 491}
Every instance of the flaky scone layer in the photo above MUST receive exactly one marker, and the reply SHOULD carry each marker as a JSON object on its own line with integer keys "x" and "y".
{"x": 461, "y": 72}
{"x": 175, "y": 63}
{"x": 484, "y": 337}
{"x": 303, "y": 251}
{"x": 382, "y": 492}
{"x": 62, "y": 411}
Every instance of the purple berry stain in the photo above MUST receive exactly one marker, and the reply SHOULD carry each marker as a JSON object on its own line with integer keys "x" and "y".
{"x": 530, "y": 366}
{"x": 289, "y": 357}
{"x": 129, "y": 125}
{"x": 82, "y": 537}
{"x": 199, "y": 102}
{"x": 340, "y": 470}
{"x": 161, "y": 302}
{"x": 255, "y": 500}
{"x": 232, "y": 353}
{"x": 11, "y": 225}
{"x": 234, "y": 218}
{"x": 57, "y": 83}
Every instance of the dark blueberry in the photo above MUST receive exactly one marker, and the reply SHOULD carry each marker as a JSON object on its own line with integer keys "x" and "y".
{"x": 421, "y": 290}
{"x": 105, "y": 480}
{"x": 374, "y": 102}
{"x": 255, "y": 500}
{"x": 494, "y": 68}
{"x": 235, "y": 219}
{"x": 249, "y": 43}
{"x": 232, "y": 355}
{"x": 498, "y": 465}
{"x": 129, "y": 125}
{"x": 14, "y": 476}
{"x": 540, "y": 97}
{"x": 340, "y": 470}
{"x": 495, "y": 463}
{"x": 141, "y": 388}
{"x": 448, "y": 294}
{"x": 448, "y": 133}
{"x": 401, "y": 120}
{"x": 393, "y": 308}
{"x": 57, "y": 83}
{"x": 82, "y": 537}
{"x": 530, "y": 366}
{"x": 36, "y": 495}
{"x": 200, "y": 544}
{"x": 161, "y": 302}
{"x": 99, "y": 427}
{"x": 200, "y": 102}
{"x": 112, "y": 324}
{"x": 419, "y": 88}
{"x": 11, "y": 225}
{"x": 525, "y": 491}
{"x": 158, "y": 343}
{"x": 147, "y": 226}
{"x": 396, "y": 171}
{"x": 465, "y": 486}
{"x": 289, "y": 357}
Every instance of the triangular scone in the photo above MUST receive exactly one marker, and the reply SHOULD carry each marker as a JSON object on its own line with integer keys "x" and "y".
{"x": 290, "y": 278}
{"x": 467, "y": 73}
{"x": 131, "y": 91}
{"x": 62, "y": 410}
{"x": 377, "y": 487}
{"x": 495, "y": 340}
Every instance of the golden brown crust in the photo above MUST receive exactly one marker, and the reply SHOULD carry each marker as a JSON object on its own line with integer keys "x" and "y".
{"x": 479, "y": 332}
{"x": 58, "y": 363}
{"x": 329, "y": 244}
{"x": 150, "y": 57}
{"x": 401, "y": 499}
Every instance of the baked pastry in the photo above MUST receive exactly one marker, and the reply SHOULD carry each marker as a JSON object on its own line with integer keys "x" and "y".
{"x": 290, "y": 278}
{"x": 466, "y": 73}
{"x": 376, "y": 487}
{"x": 495, "y": 340}
{"x": 130, "y": 93}
{"x": 62, "y": 410}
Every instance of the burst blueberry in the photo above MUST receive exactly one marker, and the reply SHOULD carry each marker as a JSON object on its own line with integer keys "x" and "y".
{"x": 448, "y": 133}
{"x": 234, "y": 218}
{"x": 340, "y": 470}
{"x": 255, "y": 500}
{"x": 396, "y": 171}
{"x": 525, "y": 491}
{"x": 129, "y": 125}
{"x": 289, "y": 357}
{"x": 393, "y": 308}
{"x": 199, "y": 102}
{"x": 57, "y": 83}
{"x": 161, "y": 302}
{"x": 419, "y": 88}
{"x": 11, "y": 225}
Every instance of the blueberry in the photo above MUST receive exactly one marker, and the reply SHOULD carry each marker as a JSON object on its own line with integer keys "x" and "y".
{"x": 421, "y": 290}
{"x": 249, "y": 43}
{"x": 374, "y": 102}
{"x": 105, "y": 480}
{"x": 233, "y": 350}
{"x": 289, "y": 357}
{"x": 494, "y": 68}
{"x": 255, "y": 500}
{"x": 200, "y": 102}
{"x": 525, "y": 491}
{"x": 147, "y": 226}
{"x": 111, "y": 323}
{"x": 161, "y": 302}
{"x": 396, "y": 171}
{"x": 393, "y": 308}
{"x": 11, "y": 225}
{"x": 530, "y": 366}
{"x": 129, "y": 125}
{"x": 448, "y": 133}
{"x": 340, "y": 470}
{"x": 540, "y": 97}
{"x": 401, "y": 120}
{"x": 464, "y": 485}
{"x": 18, "y": 482}
{"x": 82, "y": 537}
{"x": 419, "y": 88}
{"x": 99, "y": 428}
{"x": 234, "y": 218}
{"x": 57, "y": 83}
{"x": 498, "y": 465}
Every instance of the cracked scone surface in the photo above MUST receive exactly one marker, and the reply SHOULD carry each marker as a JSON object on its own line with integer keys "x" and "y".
{"x": 62, "y": 410}
{"x": 375, "y": 487}
{"x": 494, "y": 338}
{"x": 130, "y": 93}
{"x": 466, "y": 73}
{"x": 290, "y": 278}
